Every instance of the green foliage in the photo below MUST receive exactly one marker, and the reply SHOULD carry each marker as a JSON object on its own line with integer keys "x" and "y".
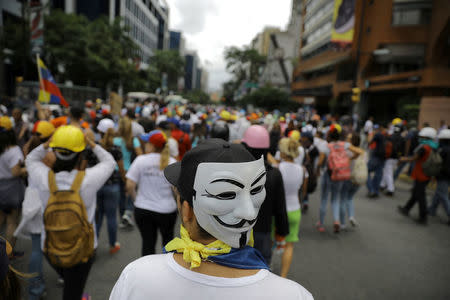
{"x": 245, "y": 65}
{"x": 197, "y": 96}
{"x": 169, "y": 62}
{"x": 269, "y": 98}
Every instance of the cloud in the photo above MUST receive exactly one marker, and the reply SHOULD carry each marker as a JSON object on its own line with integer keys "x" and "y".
{"x": 193, "y": 14}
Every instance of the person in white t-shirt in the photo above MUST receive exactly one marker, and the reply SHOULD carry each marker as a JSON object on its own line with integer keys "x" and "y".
{"x": 11, "y": 185}
{"x": 219, "y": 189}
{"x": 155, "y": 206}
{"x": 293, "y": 177}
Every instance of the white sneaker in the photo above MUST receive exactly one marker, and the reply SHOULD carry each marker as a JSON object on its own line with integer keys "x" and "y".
{"x": 127, "y": 219}
{"x": 353, "y": 222}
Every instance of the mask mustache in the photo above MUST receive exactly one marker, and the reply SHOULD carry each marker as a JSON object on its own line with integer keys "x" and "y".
{"x": 238, "y": 225}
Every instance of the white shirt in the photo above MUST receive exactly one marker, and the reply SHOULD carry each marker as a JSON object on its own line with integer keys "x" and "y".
{"x": 368, "y": 126}
{"x": 298, "y": 160}
{"x": 161, "y": 277}
{"x": 8, "y": 160}
{"x": 94, "y": 179}
{"x": 154, "y": 191}
{"x": 293, "y": 176}
{"x": 173, "y": 147}
{"x": 137, "y": 129}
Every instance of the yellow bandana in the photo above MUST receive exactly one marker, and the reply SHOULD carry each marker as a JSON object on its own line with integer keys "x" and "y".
{"x": 194, "y": 252}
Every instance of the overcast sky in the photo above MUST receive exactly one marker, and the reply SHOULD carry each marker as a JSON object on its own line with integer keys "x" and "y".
{"x": 211, "y": 25}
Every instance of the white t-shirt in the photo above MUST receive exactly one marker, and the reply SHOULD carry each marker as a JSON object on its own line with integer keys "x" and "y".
{"x": 137, "y": 129}
{"x": 161, "y": 277}
{"x": 293, "y": 176}
{"x": 8, "y": 160}
{"x": 154, "y": 191}
{"x": 298, "y": 160}
{"x": 368, "y": 126}
{"x": 173, "y": 147}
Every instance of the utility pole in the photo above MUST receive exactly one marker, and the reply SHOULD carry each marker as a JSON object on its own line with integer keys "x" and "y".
{"x": 358, "y": 55}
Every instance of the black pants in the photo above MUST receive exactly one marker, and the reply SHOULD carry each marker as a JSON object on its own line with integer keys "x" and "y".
{"x": 148, "y": 223}
{"x": 74, "y": 279}
{"x": 419, "y": 195}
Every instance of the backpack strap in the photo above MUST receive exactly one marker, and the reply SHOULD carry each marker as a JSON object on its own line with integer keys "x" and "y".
{"x": 52, "y": 182}
{"x": 76, "y": 185}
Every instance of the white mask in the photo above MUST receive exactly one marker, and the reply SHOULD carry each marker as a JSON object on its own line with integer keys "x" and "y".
{"x": 227, "y": 199}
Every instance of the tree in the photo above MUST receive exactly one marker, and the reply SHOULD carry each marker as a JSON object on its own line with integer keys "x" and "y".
{"x": 270, "y": 98}
{"x": 169, "y": 62}
{"x": 197, "y": 96}
{"x": 245, "y": 65}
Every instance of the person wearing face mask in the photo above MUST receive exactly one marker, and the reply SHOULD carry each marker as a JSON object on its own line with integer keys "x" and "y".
{"x": 155, "y": 207}
{"x": 219, "y": 190}
{"x": 427, "y": 144}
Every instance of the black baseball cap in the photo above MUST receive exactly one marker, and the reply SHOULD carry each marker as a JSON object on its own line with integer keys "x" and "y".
{"x": 182, "y": 174}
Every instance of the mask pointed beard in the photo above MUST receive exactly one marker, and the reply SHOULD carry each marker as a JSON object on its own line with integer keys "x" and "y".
{"x": 228, "y": 198}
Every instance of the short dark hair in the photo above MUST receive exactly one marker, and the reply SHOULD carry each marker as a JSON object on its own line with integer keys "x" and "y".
{"x": 76, "y": 112}
{"x": 7, "y": 139}
{"x": 356, "y": 140}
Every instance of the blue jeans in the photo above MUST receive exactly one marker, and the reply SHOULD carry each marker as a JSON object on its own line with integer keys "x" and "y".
{"x": 346, "y": 205}
{"x": 107, "y": 200}
{"x": 375, "y": 166}
{"x": 440, "y": 196}
{"x": 36, "y": 285}
{"x": 125, "y": 203}
{"x": 328, "y": 186}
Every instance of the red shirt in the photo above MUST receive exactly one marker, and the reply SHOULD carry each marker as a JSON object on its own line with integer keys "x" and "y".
{"x": 184, "y": 142}
{"x": 417, "y": 173}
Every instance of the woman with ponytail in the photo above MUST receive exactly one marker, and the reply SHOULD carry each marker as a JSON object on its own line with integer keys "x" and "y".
{"x": 155, "y": 206}
{"x": 293, "y": 177}
{"x": 108, "y": 196}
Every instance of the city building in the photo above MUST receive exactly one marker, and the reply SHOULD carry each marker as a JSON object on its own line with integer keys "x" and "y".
{"x": 192, "y": 63}
{"x": 283, "y": 51}
{"x": 148, "y": 20}
{"x": 396, "y": 52}
{"x": 10, "y": 13}
{"x": 261, "y": 42}
{"x": 177, "y": 42}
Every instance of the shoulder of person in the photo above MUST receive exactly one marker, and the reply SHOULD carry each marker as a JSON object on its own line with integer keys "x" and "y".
{"x": 289, "y": 288}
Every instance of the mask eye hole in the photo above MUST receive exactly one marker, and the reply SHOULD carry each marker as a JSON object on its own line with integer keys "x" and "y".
{"x": 226, "y": 196}
{"x": 257, "y": 190}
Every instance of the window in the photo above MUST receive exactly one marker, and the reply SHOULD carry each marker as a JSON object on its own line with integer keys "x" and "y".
{"x": 411, "y": 13}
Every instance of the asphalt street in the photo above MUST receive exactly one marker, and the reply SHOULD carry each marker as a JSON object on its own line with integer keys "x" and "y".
{"x": 387, "y": 256}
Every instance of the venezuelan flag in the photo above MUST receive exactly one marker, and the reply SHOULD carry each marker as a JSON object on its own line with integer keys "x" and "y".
{"x": 48, "y": 92}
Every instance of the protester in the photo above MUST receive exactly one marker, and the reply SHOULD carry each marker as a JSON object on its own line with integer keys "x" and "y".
{"x": 10, "y": 288}
{"x": 293, "y": 176}
{"x": 108, "y": 196}
{"x": 376, "y": 162}
{"x": 443, "y": 179}
{"x": 257, "y": 142}
{"x": 351, "y": 186}
{"x": 20, "y": 127}
{"x": 421, "y": 180}
{"x": 310, "y": 163}
{"x": 130, "y": 148}
{"x": 68, "y": 142}
{"x": 337, "y": 172}
{"x": 155, "y": 207}
{"x": 219, "y": 190}
{"x": 184, "y": 142}
{"x": 12, "y": 187}
{"x": 30, "y": 224}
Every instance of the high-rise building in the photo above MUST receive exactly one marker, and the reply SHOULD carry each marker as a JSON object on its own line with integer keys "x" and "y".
{"x": 190, "y": 70}
{"x": 148, "y": 20}
{"x": 396, "y": 52}
{"x": 177, "y": 42}
{"x": 261, "y": 42}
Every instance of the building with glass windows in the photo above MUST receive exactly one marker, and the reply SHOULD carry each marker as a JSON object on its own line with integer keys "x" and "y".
{"x": 148, "y": 20}
{"x": 396, "y": 52}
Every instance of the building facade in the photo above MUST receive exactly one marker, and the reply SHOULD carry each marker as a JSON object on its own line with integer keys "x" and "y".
{"x": 148, "y": 20}
{"x": 190, "y": 70}
{"x": 261, "y": 42}
{"x": 398, "y": 56}
{"x": 177, "y": 42}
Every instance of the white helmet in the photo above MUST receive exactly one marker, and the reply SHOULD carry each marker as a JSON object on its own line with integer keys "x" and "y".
{"x": 428, "y": 132}
{"x": 444, "y": 134}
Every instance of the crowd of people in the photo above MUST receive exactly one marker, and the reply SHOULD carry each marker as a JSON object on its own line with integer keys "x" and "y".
{"x": 236, "y": 178}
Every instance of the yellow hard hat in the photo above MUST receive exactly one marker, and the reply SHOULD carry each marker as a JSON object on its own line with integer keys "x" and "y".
{"x": 225, "y": 115}
{"x": 295, "y": 135}
{"x": 397, "y": 121}
{"x": 44, "y": 128}
{"x": 68, "y": 138}
{"x": 5, "y": 122}
{"x": 234, "y": 117}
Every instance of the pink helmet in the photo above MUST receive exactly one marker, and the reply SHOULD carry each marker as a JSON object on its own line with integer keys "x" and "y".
{"x": 257, "y": 137}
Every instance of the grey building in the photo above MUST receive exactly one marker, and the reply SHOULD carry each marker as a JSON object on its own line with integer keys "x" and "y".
{"x": 148, "y": 20}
